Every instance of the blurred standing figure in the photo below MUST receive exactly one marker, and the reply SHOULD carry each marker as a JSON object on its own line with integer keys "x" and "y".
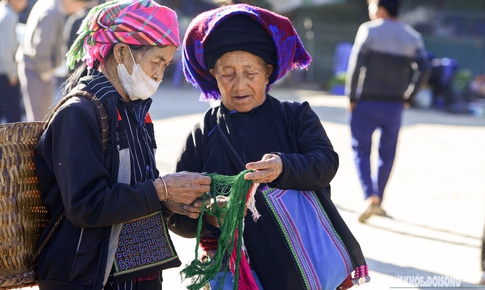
{"x": 41, "y": 52}
{"x": 387, "y": 66}
{"x": 10, "y": 105}
{"x": 73, "y": 23}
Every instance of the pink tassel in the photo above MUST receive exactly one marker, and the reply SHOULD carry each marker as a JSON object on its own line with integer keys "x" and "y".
{"x": 361, "y": 275}
{"x": 246, "y": 280}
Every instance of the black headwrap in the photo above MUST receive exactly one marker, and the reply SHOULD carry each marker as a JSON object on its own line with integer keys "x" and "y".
{"x": 239, "y": 32}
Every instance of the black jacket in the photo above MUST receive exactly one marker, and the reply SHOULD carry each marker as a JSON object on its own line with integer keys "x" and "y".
{"x": 77, "y": 175}
{"x": 291, "y": 130}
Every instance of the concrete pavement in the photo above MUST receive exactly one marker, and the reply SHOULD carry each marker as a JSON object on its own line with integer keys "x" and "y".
{"x": 435, "y": 197}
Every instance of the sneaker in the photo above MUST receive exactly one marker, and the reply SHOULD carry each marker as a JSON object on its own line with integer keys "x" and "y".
{"x": 380, "y": 212}
{"x": 369, "y": 210}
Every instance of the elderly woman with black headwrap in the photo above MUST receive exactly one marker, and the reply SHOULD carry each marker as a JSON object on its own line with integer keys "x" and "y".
{"x": 234, "y": 53}
{"x": 104, "y": 179}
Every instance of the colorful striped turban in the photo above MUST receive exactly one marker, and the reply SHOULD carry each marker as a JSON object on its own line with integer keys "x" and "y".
{"x": 290, "y": 52}
{"x": 135, "y": 22}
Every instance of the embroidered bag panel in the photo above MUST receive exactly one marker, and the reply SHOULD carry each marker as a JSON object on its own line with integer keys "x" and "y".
{"x": 317, "y": 249}
{"x": 144, "y": 245}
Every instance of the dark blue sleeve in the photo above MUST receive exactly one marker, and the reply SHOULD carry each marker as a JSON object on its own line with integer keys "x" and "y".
{"x": 313, "y": 163}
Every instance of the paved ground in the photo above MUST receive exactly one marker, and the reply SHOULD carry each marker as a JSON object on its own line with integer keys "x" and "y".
{"x": 436, "y": 194}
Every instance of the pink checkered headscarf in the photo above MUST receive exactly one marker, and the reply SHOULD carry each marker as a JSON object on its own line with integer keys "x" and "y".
{"x": 135, "y": 22}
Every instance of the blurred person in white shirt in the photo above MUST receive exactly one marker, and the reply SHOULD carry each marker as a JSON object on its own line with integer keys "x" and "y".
{"x": 41, "y": 52}
{"x": 10, "y": 104}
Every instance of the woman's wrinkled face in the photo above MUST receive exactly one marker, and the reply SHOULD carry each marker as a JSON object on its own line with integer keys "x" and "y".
{"x": 154, "y": 60}
{"x": 242, "y": 78}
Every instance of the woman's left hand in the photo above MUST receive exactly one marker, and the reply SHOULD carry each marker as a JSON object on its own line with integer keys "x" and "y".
{"x": 191, "y": 210}
{"x": 266, "y": 170}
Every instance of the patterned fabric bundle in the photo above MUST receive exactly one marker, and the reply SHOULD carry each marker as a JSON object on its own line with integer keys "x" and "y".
{"x": 290, "y": 51}
{"x": 135, "y": 22}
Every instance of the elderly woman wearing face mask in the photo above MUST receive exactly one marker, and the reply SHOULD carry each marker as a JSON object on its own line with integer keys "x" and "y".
{"x": 113, "y": 235}
{"x": 234, "y": 53}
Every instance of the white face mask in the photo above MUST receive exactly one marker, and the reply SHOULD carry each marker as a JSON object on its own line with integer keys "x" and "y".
{"x": 138, "y": 85}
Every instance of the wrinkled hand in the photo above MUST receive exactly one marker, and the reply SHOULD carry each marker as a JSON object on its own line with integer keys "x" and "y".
{"x": 182, "y": 187}
{"x": 222, "y": 202}
{"x": 266, "y": 170}
{"x": 191, "y": 210}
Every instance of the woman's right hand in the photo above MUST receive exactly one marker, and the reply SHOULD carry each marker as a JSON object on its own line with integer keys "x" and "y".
{"x": 182, "y": 187}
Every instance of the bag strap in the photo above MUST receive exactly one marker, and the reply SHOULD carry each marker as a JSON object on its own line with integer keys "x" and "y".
{"x": 229, "y": 144}
{"x": 103, "y": 117}
{"x": 290, "y": 134}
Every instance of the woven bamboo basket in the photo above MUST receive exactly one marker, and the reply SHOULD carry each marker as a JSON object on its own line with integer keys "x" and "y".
{"x": 22, "y": 215}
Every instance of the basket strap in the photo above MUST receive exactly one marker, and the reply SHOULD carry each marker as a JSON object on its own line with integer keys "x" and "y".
{"x": 49, "y": 235}
{"x": 104, "y": 127}
{"x": 103, "y": 116}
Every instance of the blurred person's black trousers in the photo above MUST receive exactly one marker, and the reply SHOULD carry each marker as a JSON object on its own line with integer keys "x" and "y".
{"x": 10, "y": 101}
